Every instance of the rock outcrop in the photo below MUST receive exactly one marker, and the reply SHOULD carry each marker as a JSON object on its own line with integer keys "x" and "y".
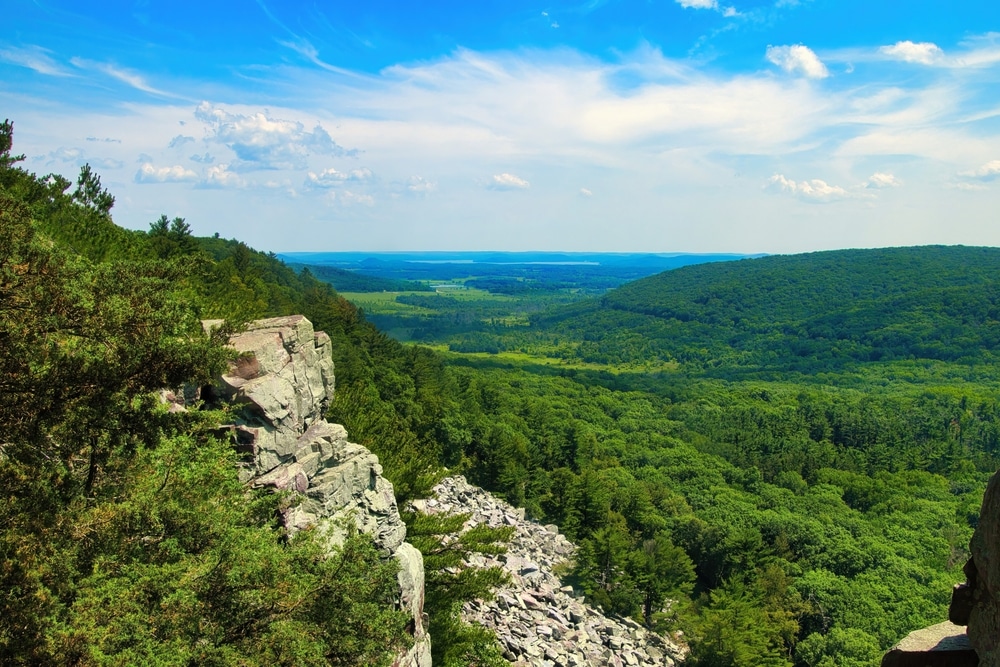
{"x": 278, "y": 392}
{"x": 538, "y": 620}
{"x": 941, "y": 645}
{"x": 975, "y": 604}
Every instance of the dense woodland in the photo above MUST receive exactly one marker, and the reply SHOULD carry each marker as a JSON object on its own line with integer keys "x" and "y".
{"x": 795, "y": 485}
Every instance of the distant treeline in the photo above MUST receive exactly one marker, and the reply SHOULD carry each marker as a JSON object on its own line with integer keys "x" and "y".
{"x": 352, "y": 281}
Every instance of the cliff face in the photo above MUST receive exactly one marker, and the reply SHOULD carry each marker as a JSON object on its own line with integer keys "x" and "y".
{"x": 278, "y": 391}
{"x": 978, "y": 602}
{"x": 974, "y": 604}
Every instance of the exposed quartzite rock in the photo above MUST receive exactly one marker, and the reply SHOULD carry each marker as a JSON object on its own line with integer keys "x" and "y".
{"x": 537, "y": 620}
{"x": 281, "y": 387}
{"x": 284, "y": 382}
{"x": 941, "y": 645}
{"x": 984, "y": 579}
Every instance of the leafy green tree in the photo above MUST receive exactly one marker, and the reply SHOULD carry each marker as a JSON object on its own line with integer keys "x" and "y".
{"x": 661, "y": 571}
{"x": 126, "y": 536}
{"x": 90, "y": 194}
{"x": 735, "y": 631}
{"x": 602, "y": 568}
{"x": 450, "y": 582}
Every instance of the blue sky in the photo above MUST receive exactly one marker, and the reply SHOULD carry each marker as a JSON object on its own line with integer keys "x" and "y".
{"x": 632, "y": 125}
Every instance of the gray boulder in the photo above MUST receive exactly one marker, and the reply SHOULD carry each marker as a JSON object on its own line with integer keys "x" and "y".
{"x": 278, "y": 392}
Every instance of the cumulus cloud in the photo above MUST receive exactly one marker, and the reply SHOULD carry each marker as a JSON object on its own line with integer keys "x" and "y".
{"x": 219, "y": 176}
{"x": 698, "y": 4}
{"x": 149, "y": 173}
{"x": 202, "y": 159}
{"x": 329, "y": 178}
{"x": 881, "y": 180}
{"x": 813, "y": 190}
{"x": 584, "y": 192}
{"x": 798, "y": 59}
{"x": 179, "y": 140}
{"x": 507, "y": 181}
{"x": 925, "y": 53}
{"x": 987, "y": 172}
{"x": 262, "y": 142}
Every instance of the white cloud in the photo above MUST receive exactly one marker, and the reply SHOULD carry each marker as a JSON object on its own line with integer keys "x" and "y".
{"x": 219, "y": 176}
{"x": 987, "y": 172}
{"x": 202, "y": 159}
{"x": 507, "y": 181}
{"x": 967, "y": 187}
{"x": 127, "y": 77}
{"x": 797, "y": 58}
{"x": 420, "y": 185}
{"x": 881, "y": 180}
{"x": 349, "y": 198}
{"x": 813, "y": 190}
{"x": 105, "y": 163}
{"x": 925, "y": 53}
{"x": 329, "y": 178}
{"x": 149, "y": 173}
{"x": 584, "y": 192}
{"x": 64, "y": 154}
{"x": 698, "y": 4}
{"x": 35, "y": 58}
{"x": 262, "y": 142}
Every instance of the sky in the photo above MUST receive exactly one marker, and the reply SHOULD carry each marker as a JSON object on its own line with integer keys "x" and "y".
{"x": 747, "y": 126}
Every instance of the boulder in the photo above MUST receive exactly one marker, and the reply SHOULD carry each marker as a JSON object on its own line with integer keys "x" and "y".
{"x": 983, "y": 580}
{"x": 941, "y": 645}
{"x": 278, "y": 391}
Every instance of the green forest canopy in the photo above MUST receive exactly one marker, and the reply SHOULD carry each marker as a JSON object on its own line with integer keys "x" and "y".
{"x": 783, "y": 504}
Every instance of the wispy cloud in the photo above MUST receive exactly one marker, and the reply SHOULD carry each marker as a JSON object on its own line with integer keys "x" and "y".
{"x": 304, "y": 48}
{"x": 986, "y": 172}
{"x": 35, "y": 58}
{"x": 698, "y": 4}
{"x": 507, "y": 181}
{"x": 128, "y": 77}
{"x": 329, "y": 178}
{"x": 420, "y": 185}
{"x": 179, "y": 140}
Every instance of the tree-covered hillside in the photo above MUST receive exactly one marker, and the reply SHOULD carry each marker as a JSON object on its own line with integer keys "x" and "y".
{"x": 126, "y": 536}
{"x": 801, "y": 312}
{"x": 794, "y": 483}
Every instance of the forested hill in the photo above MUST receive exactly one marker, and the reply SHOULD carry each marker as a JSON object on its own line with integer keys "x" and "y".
{"x": 799, "y": 312}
